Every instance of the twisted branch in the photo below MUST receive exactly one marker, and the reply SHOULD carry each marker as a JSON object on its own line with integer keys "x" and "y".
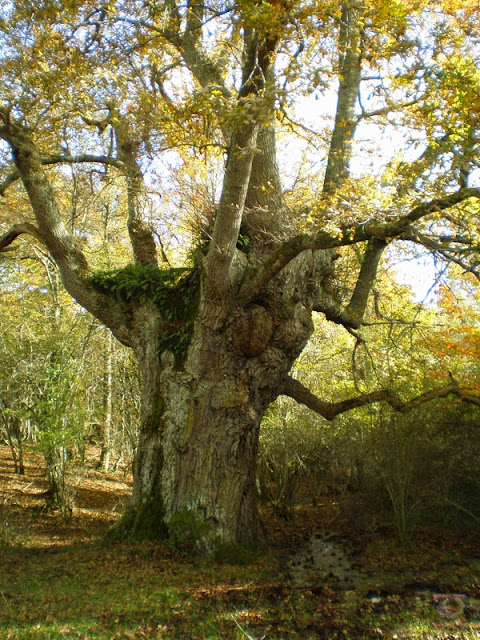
{"x": 17, "y": 230}
{"x": 329, "y": 410}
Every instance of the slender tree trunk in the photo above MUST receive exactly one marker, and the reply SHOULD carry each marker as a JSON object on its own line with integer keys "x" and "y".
{"x": 19, "y": 447}
{"x": 13, "y": 450}
{"x": 13, "y": 436}
{"x": 107, "y": 449}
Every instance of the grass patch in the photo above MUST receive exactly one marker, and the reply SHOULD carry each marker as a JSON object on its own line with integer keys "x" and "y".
{"x": 234, "y": 554}
{"x": 142, "y": 591}
{"x": 58, "y": 584}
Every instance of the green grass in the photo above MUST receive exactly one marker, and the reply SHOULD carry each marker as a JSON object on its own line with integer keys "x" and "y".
{"x": 54, "y": 587}
{"x": 143, "y": 591}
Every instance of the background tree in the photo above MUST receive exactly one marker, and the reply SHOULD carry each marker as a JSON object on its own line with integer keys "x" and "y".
{"x": 51, "y": 383}
{"x": 111, "y": 87}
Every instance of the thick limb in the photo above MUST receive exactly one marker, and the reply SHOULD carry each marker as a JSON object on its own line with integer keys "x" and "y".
{"x": 344, "y": 235}
{"x": 52, "y": 230}
{"x": 329, "y": 410}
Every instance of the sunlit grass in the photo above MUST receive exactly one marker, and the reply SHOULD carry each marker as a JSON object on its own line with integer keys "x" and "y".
{"x": 88, "y": 591}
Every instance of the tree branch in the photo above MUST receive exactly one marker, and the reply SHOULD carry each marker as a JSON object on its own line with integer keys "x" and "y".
{"x": 344, "y": 235}
{"x": 386, "y": 110}
{"x": 368, "y": 272}
{"x": 60, "y": 243}
{"x": 228, "y": 219}
{"x": 84, "y": 158}
{"x": 259, "y": 56}
{"x": 329, "y": 410}
{"x": 10, "y": 179}
{"x": 140, "y": 232}
{"x": 350, "y": 48}
{"x": 187, "y": 44}
{"x": 437, "y": 205}
{"x": 351, "y": 316}
{"x": 17, "y": 230}
{"x": 332, "y": 309}
{"x": 455, "y": 249}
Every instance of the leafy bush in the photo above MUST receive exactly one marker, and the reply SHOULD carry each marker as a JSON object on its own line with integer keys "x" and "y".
{"x": 384, "y": 467}
{"x": 291, "y": 448}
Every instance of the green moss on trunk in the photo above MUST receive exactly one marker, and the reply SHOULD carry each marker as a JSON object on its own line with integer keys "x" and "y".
{"x": 144, "y": 522}
{"x": 175, "y": 293}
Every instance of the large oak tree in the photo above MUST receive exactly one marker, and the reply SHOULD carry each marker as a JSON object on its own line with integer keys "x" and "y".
{"x": 112, "y": 85}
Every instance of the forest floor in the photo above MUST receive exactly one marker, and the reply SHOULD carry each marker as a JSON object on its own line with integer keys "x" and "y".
{"x": 59, "y": 581}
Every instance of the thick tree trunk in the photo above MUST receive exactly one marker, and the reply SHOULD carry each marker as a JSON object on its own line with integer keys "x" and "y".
{"x": 210, "y": 461}
{"x": 195, "y": 466}
{"x": 196, "y": 454}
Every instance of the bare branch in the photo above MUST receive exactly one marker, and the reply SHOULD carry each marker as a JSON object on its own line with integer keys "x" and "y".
{"x": 187, "y": 44}
{"x": 329, "y": 410}
{"x": 386, "y": 110}
{"x": 13, "y": 177}
{"x": 345, "y": 235}
{"x": 85, "y": 158}
{"x": 457, "y": 249}
{"x": 437, "y": 205}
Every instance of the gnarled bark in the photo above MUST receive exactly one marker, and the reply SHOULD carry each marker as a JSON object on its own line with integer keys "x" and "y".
{"x": 200, "y": 424}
